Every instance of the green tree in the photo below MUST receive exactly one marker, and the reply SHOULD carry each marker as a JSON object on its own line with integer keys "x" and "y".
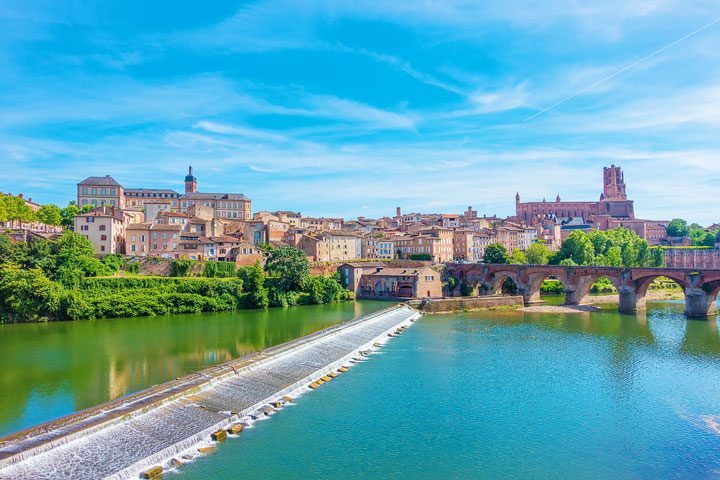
{"x": 254, "y": 285}
{"x": 678, "y": 228}
{"x": 50, "y": 214}
{"x": 290, "y": 267}
{"x": 518, "y": 257}
{"x": 27, "y": 294}
{"x": 568, "y": 262}
{"x": 578, "y": 248}
{"x": 15, "y": 209}
{"x": 538, "y": 254}
{"x": 496, "y": 253}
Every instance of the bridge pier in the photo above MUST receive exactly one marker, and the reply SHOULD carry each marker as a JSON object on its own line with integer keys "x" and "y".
{"x": 630, "y": 300}
{"x": 700, "y": 303}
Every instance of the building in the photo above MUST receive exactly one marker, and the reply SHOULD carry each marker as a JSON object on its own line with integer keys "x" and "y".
{"x": 391, "y": 283}
{"x": 105, "y": 228}
{"x": 331, "y": 246}
{"x": 100, "y": 191}
{"x": 612, "y": 210}
{"x": 350, "y": 273}
{"x": 139, "y": 197}
{"x": 245, "y": 254}
{"x": 382, "y": 248}
{"x": 700, "y": 258}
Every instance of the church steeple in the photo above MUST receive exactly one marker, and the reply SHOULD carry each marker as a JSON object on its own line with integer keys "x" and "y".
{"x": 190, "y": 182}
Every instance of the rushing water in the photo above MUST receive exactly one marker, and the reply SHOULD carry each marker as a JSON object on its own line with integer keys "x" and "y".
{"x": 505, "y": 395}
{"x": 54, "y": 369}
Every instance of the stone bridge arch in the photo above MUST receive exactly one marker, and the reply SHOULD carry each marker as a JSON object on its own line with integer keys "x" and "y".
{"x": 581, "y": 279}
{"x": 532, "y": 278}
{"x": 494, "y": 280}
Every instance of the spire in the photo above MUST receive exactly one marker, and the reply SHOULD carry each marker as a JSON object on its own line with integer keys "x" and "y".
{"x": 557, "y": 199}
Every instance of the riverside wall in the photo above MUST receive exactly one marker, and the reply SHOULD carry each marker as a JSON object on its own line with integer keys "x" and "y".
{"x": 458, "y": 304}
{"x": 156, "y": 427}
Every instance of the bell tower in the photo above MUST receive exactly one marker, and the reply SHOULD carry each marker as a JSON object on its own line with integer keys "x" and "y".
{"x": 614, "y": 183}
{"x": 190, "y": 182}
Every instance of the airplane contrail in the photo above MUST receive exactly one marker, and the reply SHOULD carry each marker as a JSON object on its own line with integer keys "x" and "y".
{"x": 624, "y": 69}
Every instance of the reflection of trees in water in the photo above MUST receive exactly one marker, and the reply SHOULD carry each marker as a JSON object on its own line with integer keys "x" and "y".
{"x": 90, "y": 362}
{"x": 701, "y": 338}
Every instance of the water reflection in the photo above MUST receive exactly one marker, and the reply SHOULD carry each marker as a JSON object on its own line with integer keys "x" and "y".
{"x": 51, "y": 370}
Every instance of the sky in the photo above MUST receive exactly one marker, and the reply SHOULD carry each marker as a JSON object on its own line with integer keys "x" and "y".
{"x": 353, "y": 108}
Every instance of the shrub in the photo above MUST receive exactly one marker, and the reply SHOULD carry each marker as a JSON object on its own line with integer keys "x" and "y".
{"x": 181, "y": 267}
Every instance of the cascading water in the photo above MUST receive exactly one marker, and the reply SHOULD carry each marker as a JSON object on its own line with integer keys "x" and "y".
{"x": 124, "y": 448}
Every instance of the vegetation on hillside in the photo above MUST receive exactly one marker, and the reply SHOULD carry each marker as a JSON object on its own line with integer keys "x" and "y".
{"x": 47, "y": 280}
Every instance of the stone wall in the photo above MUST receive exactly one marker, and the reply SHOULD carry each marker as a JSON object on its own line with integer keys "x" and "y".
{"x": 447, "y": 305}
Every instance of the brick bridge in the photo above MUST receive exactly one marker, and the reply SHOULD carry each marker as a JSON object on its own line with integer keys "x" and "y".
{"x": 700, "y": 286}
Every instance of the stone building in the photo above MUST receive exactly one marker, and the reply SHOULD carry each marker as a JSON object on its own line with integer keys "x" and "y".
{"x": 105, "y": 228}
{"x": 700, "y": 258}
{"x": 100, "y": 191}
{"x": 331, "y": 246}
{"x": 390, "y": 283}
{"x": 613, "y": 210}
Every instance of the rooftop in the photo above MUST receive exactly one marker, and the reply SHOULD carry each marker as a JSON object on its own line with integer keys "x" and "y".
{"x": 106, "y": 181}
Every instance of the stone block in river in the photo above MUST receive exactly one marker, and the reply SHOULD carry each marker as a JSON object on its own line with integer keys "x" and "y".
{"x": 155, "y": 472}
{"x": 287, "y": 399}
{"x": 276, "y": 404}
{"x": 207, "y": 450}
{"x": 219, "y": 436}
{"x": 326, "y": 378}
{"x": 236, "y": 428}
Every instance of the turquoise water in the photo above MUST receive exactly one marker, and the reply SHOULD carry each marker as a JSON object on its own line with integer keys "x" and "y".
{"x": 505, "y": 395}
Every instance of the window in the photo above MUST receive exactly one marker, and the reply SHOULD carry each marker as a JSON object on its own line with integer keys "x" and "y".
{"x": 84, "y": 190}
{"x": 103, "y": 191}
{"x": 112, "y": 191}
{"x": 112, "y": 203}
{"x": 94, "y": 191}
{"x": 89, "y": 219}
{"x": 102, "y": 248}
{"x": 132, "y": 238}
{"x": 84, "y": 201}
{"x": 103, "y": 237}
{"x": 154, "y": 246}
{"x": 102, "y": 228}
{"x": 132, "y": 248}
{"x": 142, "y": 238}
{"x": 94, "y": 202}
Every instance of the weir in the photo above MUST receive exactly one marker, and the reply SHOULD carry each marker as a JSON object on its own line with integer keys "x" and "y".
{"x": 123, "y": 438}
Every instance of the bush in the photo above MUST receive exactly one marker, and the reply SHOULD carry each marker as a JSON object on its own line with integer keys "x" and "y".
{"x": 181, "y": 267}
{"x": 552, "y": 287}
{"x": 219, "y": 269}
{"x": 420, "y": 256}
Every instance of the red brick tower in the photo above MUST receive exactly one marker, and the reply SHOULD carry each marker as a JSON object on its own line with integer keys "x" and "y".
{"x": 614, "y": 183}
{"x": 190, "y": 182}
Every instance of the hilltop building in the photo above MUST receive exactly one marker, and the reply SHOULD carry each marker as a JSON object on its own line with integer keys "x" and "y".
{"x": 612, "y": 210}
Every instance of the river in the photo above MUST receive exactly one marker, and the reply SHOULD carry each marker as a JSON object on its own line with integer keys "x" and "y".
{"x": 505, "y": 395}
{"x": 49, "y": 370}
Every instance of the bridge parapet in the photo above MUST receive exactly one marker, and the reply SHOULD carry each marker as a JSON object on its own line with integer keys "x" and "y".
{"x": 700, "y": 287}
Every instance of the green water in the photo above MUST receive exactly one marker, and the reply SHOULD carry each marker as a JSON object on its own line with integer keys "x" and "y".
{"x": 505, "y": 395}
{"x": 54, "y": 369}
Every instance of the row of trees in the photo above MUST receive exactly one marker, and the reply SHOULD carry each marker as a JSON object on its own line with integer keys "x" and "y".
{"x": 14, "y": 209}
{"x": 612, "y": 248}
{"x": 699, "y": 236}
{"x": 62, "y": 280}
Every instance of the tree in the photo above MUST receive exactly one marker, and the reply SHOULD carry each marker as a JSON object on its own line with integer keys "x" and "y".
{"x": 50, "y": 214}
{"x": 15, "y": 209}
{"x": 290, "y": 267}
{"x": 518, "y": 257}
{"x": 496, "y": 253}
{"x": 254, "y": 285}
{"x": 538, "y": 254}
{"x": 678, "y": 228}
{"x": 578, "y": 248}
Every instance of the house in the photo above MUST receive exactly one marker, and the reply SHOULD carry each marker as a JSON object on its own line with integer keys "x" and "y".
{"x": 105, "y": 228}
{"x": 390, "y": 283}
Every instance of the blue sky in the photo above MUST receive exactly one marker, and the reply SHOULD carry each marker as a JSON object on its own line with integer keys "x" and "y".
{"x": 352, "y": 108}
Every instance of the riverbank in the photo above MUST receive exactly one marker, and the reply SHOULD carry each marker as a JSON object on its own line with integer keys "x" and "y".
{"x": 121, "y": 438}
{"x": 593, "y": 300}
{"x": 469, "y": 304}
